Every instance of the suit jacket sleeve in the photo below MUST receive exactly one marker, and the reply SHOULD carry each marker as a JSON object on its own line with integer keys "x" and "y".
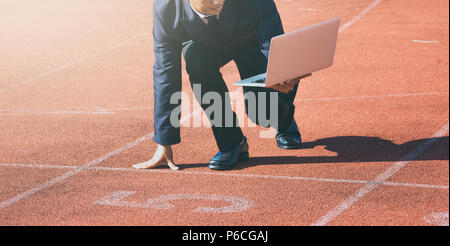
{"x": 166, "y": 77}
{"x": 269, "y": 24}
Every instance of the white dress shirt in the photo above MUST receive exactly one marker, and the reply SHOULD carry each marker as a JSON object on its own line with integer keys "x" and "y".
{"x": 202, "y": 16}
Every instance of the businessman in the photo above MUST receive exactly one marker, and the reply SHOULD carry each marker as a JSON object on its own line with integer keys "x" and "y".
{"x": 209, "y": 34}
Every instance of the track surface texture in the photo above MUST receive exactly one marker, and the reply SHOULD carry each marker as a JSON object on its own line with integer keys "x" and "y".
{"x": 76, "y": 112}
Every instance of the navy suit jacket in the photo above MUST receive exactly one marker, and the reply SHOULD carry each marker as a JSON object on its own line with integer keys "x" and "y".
{"x": 175, "y": 23}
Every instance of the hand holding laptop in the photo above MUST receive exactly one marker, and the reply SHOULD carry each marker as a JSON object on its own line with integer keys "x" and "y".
{"x": 302, "y": 51}
{"x": 286, "y": 86}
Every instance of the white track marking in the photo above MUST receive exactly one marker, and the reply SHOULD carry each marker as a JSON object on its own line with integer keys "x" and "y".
{"x": 67, "y": 65}
{"x": 34, "y": 112}
{"x": 114, "y": 110}
{"x": 310, "y": 9}
{"x": 130, "y": 109}
{"x": 42, "y": 166}
{"x": 163, "y": 202}
{"x": 237, "y": 175}
{"x": 96, "y": 111}
{"x": 347, "y": 203}
{"x": 425, "y": 42}
{"x": 437, "y": 219}
{"x": 356, "y": 18}
{"x": 370, "y": 97}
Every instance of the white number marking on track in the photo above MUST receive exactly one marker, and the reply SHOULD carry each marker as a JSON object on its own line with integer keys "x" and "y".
{"x": 163, "y": 202}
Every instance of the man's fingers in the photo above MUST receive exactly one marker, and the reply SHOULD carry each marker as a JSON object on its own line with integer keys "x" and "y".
{"x": 278, "y": 87}
{"x": 172, "y": 165}
{"x": 281, "y": 88}
{"x": 147, "y": 164}
{"x": 304, "y": 76}
{"x": 275, "y": 87}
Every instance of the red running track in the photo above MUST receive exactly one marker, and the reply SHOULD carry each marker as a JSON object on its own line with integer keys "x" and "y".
{"x": 76, "y": 111}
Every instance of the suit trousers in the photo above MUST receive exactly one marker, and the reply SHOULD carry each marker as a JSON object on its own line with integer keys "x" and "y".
{"x": 203, "y": 65}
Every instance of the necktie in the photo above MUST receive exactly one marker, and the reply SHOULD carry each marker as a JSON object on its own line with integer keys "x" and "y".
{"x": 213, "y": 24}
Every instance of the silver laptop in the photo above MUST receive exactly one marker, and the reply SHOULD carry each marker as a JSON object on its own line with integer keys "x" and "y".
{"x": 298, "y": 54}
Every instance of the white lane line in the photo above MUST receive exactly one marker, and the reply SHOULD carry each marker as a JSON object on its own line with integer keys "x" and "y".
{"x": 356, "y": 18}
{"x": 437, "y": 219}
{"x": 310, "y": 9}
{"x": 96, "y": 111}
{"x": 370, "y": 97}
{"x": 366, "y": 189}
{"x": 425, "y": 42}
{"x": 34, "y": 112}
{"x": 238, "y": 175}
{"x": 67, "y": 65}
{"x": 41, "y": 166}
{"x": 114, "y": 110}
{"x": 415, "y": 185}
{"x": 130, "y": 109}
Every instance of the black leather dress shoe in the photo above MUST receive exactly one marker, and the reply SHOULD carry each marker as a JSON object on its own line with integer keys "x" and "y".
{"x": 289, "y": 138}
{"x": 228, "y": 160}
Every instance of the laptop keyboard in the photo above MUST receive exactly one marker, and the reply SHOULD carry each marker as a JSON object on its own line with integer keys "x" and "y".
{"x": 259, "y": 81}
